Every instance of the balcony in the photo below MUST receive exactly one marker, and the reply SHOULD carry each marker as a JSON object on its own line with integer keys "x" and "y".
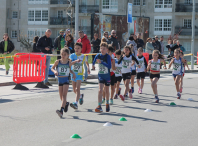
{"x": 89, "y": 9}
{"x": 182, "y": 7}
{"x": 85, "y": 29}
{"x": 185, "y": 31}
{"x": 62, "y": 21}
{"x": 61, "y": 2}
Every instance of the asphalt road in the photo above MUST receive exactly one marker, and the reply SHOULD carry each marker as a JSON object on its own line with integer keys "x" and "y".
{"x": 28, "y": 118}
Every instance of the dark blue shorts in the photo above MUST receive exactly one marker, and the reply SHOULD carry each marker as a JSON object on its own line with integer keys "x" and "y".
{"x": 106, "y": 82}
{"x": 174, "y": 75}
{"x": 63, "y": 81}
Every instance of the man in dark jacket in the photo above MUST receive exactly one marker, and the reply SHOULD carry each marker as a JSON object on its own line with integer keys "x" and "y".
{"x": 158, "y": 44}
{"x": 95, "y": 43}
{"x": 59, "y": 42}
{"x": 140, "y": 42}
{"x": 113, "y": 40}
{"x": 45, "y": 45}
{"x": 6, "y": 47}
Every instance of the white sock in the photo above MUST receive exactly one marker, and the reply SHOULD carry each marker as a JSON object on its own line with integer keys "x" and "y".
{"x": 76, "y": 102}
{"x": 178, "y": 92}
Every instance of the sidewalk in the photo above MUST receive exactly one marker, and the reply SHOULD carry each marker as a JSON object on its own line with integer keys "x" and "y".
{"x": 6, "y": 80}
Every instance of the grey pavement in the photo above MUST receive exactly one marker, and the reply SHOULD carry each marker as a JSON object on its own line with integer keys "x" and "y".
{"x": 29, "y": 118}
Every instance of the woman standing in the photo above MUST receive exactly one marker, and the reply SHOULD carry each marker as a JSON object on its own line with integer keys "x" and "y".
{"x": 149, "y": 48}
{"x": 6, "y": 47}
{"x": 105, "y": 37}
{"x": 34, "y": 45}
{"x": 131, "y": 41}
{"x": 70, "y": 42}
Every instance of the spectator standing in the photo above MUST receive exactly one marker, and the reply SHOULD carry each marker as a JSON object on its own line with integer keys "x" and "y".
{"x": 59, "y": 43}
{"x": 132, "y": 42}
{"x": 86, "y": 48}
{"x": 35, "y": 40}
{"x": 158, "y": 44}
{"x": 179, "y": 46}
{"x": 68, "y": 31}
{"x": 162, "y": 44}
{"x": 45, "y": 45}
{"x": 6, "y": 47}
{"x": 140, "y": 42}
{"x": 70, "y": 42}
{"x": 113, "y": 40}
{"x": 149, "y": 48}
{"x": 95, "y": 43}
{"x": 105, "y": 38}
{"x": 154, "y": 44}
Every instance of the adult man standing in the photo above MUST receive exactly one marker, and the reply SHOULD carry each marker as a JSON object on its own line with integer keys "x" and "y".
{"x": 45, "y": 45}
{"x": 158, "y": 44}
{"x": 140, "y": 42}
{"x": 59, "y": 43}
{"x": 162, "y": 44}
{"x": 86, "y": 48}
{"x": 95, "y": 43}
{"x": 113, "y": 40}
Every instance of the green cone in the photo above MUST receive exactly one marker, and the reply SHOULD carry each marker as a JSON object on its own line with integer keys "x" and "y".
{"x": 76, "y": 136}
{"x": 123, "y": 119}
{"x": 172, "y": 103}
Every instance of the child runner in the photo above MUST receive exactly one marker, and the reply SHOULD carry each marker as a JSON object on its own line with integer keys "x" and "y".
{"x": 154, "y": 67}
{"x": 104, "y": 63}
{"x": 118, "y": 73}
{"x": 63, "y": 66}
{"x": 78, "y": 60}
{"x": 177, "y": 70}
{"x": 141, "y": 72}
{"x": 126, "y": 61}
{"x": 183, "y": 71}
{"x": 133, "y": 72}
{"x": 110, "y": 52}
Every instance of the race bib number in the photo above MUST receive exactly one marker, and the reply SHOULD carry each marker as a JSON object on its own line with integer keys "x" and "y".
{"x": 77, "y": 68}
{"x": 118, "y": 70}
{"x": 141, "y": 64}
{"x": 103, "y": 69}
{"x": 63, "y": 70}
{"x": 176, "y": 66}
{"x": 126, "y": 63}
{"x": 155, "y": 66}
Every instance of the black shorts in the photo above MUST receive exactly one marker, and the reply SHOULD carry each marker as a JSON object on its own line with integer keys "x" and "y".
{"x": 141, "y": 75}
{"x": 113, "y": 80}
{"x": 126, "y": 76}
{"x": 107, "y": 83}
{"x": 154, "y": 76}
{"x": 133, "y": 72}
{"x": 118, "y": 79}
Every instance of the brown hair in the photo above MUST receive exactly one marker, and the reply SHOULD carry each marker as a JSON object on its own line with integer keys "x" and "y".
{"x": 104, "y": 44}
{"x": 103, "y": 40}
{"x": 78, "y": 44}
{"x": 105, "y": 32}
{"x": 118, "y": 52}
{"x": 7, "y": 35}
{"x": 140, "y": 49}
{"x": 148, "y": 39}
{"x": 36, "y": 38}
{"x": 160, "y": 55}
{"x": 128, "y": 47}
{"x": 177, "y": 50}
{"x": 69, "y": 35}
{"x": 66, "y": 50}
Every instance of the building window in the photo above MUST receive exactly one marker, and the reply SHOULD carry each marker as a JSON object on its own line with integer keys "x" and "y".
{"x": 187, "y": 46}
{"x": 187, "y": 23}
{"x": 109, "y": 5}
{"x": 37, "y": 1}
{"x": 38, "y": 16}
{"x": 83, "y": 2}
{"x": 45, "y": 15}
{"x": 14, "y": 34}
{"x": 188, "y": 1}
{"x": 60, "y": 14}
{"x": 163, "y": 26}
{"x": 144, "y": 2}
{"x": 97, "y": 2}
{"x": 32, "y": 32}
{"x": 14, "y": 14}
{"x": 31, "y": 15}
{"x": 163, "y": 5}
{"x": 136, "y": 2}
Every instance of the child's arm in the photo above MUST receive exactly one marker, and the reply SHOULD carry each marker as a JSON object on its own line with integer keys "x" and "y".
{"x": 108, "y": 64}
{"x": 164, "y": 62}
{"x": 54, "y": 66}
{"x": 73, "y": 62}
{"x": 94, "y": 61}
{"x": 185, "y": 63}
{"x": 120, "y": 60}
{"x": 171, "y": 63}
{"x": 88, "y": 67}
{"x": 149, "y": 65}
{"x": 71, "y": 71}
{"x": 113, "y": 64}
{"x": 145, "y": 63}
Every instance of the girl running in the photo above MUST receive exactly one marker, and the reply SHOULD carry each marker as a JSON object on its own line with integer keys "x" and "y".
{"x": 118, "y": 73}
{"x": 141, "y": 72}
{"x": 154, "y": 67}
{"x": 78, "y": 60}
{"x": 177, "y": 70}
{"x": 104, "y": 63}
{"x": 126, "y": 61}
{"x": 63, "y": 66}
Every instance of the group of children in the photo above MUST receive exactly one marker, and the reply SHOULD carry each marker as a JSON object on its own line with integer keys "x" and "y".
{"x": 111, "y": 71}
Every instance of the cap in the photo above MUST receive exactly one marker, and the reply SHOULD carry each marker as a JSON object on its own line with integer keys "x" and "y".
{"x": 153, "y": 38}
{"x": 62, "y": 30}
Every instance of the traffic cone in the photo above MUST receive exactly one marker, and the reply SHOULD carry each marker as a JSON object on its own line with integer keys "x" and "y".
{"x": 108, "y": 124}
{"x": 75, "y": 136}
{"x": 172, "y": 103}
{"x": 123, "y": 119}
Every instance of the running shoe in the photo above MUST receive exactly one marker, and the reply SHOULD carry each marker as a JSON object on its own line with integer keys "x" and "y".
{"x": 81, "y": 99}
{"x": 111, "y": 101}
{"x": 98, "y": 109}
{"x": 48, "y": 84}
{"x": 178, "y": 95}
{"x": 157, "y": 99}
{"x": 119, "y": 91}
{"x": 130, "y": 95}
{"x": 132, "y": 90}
{"x": 107, "y": 107}
{"x": 122, "y": 97}
{"x": 103, "y": 100}
{"x": 181, "y": 90}
{"x": 66, "y": 107}
{"x": 74, "y": 105}
{"x": 7, "y": 72}
{"x": 116, "y": 97}
{"x": 125, "y": 96}
{"x": 139, "y": 90}
{"x": 60, "y": 113}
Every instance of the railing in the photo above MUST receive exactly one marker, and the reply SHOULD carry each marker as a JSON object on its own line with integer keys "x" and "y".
{"x": 62, "y": 21}
{"x": 62, "y": 2}
{"x": 89, "y": 9}
{"x": 185, "y": 31}
{"x": 182, "y": 7}
{"x": 85, "y": 29}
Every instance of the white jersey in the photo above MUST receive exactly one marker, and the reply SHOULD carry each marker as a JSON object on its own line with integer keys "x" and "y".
{"x": 126, "y": 64}
{"x": 155, "y": 66}
{"x": 142, "y": 65}
{"x": 118, "y": 71}
{"x": 177, "y": 67}
{"x": 133, "y": 67}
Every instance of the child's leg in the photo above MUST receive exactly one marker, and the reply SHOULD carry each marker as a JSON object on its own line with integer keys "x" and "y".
{"x": 117, "y": 87}
{"x": 61, "y": 92}
{"x": 142, "y": 83}
{"x": 101, "y": 86}
{"x": 126, "y": 86}
{"x": 107, "y": 93}
{"x": 177, "y": 80}
{"x": 154, "y": 85}
{"x": 74, "y": 86}
{"x": 64, "y": 95}
{"x": 103, "y": 93}
{"x": 112, "y": 91}
{"x": 181, "y": 82}
{"x": 78, "y": 84}
{"x": 138, "y": 82}
{"x": 132, "y": 80}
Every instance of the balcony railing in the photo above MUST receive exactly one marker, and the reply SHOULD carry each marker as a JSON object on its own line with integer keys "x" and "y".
{"x": 61, "y": 2}
{"x": 85, "y": 29}
{"x": 182, "y": 7}
{"x": 185, "y": 31}
{"x": 89, "y": 9}
{"x": 62, "y": 21}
